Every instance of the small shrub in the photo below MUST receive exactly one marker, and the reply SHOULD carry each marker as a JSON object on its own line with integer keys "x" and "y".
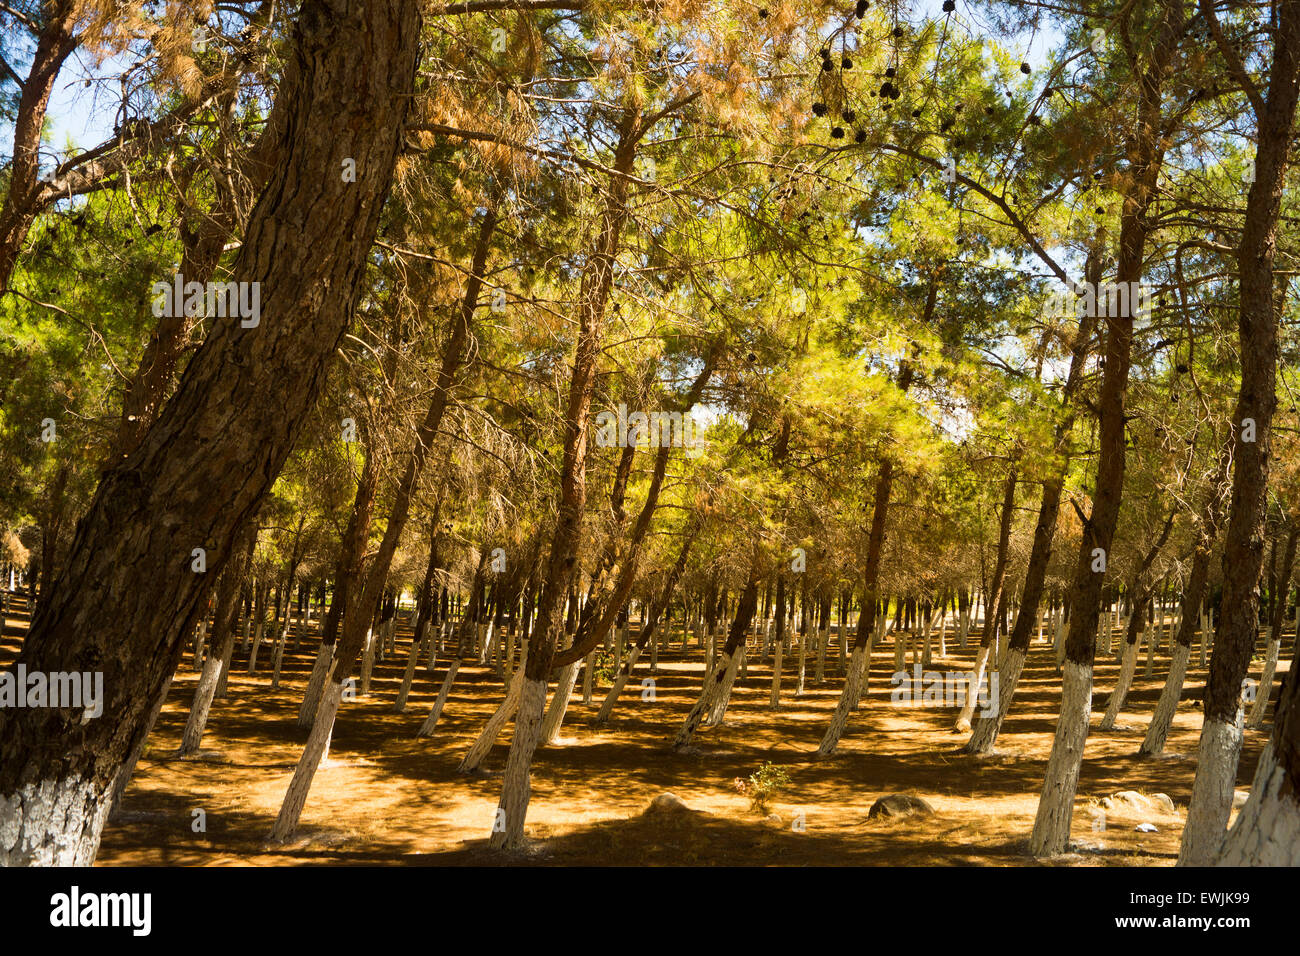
{"x": 762, "y": 785}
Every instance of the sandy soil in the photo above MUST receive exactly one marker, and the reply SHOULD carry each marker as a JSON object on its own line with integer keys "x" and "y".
{"x": 386, "y": 796}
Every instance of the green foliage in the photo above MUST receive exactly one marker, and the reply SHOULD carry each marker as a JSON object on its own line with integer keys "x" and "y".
{"x": 763, "y": 785}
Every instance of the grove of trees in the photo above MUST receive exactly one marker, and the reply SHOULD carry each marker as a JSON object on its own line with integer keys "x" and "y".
{"x": 542, "y": 338}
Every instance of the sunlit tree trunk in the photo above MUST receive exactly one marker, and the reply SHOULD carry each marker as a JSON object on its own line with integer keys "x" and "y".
{"x": 1051, "y": 833}
{"x": 219, "y": 443}
{"x": 1256, "y": 718}
{"x": 223, "y": 643}
{"x": 1243, "y": 549}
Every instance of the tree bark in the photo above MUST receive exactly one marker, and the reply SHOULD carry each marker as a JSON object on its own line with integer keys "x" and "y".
{"x": 1282, "y": 589}
{"x": 593, "y": 298}
{"x": 54, "y": 44}
{"x": 988, "y": 726}
{"x": 1051, "y": 833}
{"x": 217, "y": 446}
{"x": 1243, "y": 549}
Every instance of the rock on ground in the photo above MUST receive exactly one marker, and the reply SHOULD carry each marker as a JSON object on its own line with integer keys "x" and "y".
{"x": 1130, "y": 801}
{"x": 667, "y": 804}
{"x": 898, "y": 805}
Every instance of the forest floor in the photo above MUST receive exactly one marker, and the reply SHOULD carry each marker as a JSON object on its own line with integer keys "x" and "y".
{"x": 386, "y": 796}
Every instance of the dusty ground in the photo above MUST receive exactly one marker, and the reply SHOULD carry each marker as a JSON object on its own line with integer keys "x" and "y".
{"x": 386, "y": 796}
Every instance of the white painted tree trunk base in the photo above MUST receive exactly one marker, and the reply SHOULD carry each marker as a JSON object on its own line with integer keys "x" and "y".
{"x": 1120, "y": 693}
{"x": 775, "y": 701}
{"x": 559, "y": 705}
{"x": 408, "y": 677}
{"x": 1167, "y": 706}
{"x": 620, "y": 681}
{"x": 279, "y": 654}
{"x": 311, "y": 696}
{"x": 1265, "y": 685}
{"x": 426, "y": 729}
{"x": 223, "y": 678}
{"x": 368, "y": 661}
{"x": 588, "y": 681}
{"x": 803, "y": 665}
{"x": 53, "y": 822}
{"x": 704, "y": 703}
{"x": 963, "y": 723}
{"x": 516, "y": 786}
{"x": 1267, "y": 829}
{"x": 721, "y": 697}
{"x": 313, "y": 756}
{"x": 849, "y": 697}
{"x": 1211, "y": 803}
{"x": 252, "y": 657}
{"x": 204, "y": 693}
{"x": 988, "y": 726}
{"x": 482, "y": 746}
{"x": 1051, "y": 833}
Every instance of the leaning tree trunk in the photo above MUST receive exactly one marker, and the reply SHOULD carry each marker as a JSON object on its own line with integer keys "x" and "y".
{"x": 356, "y": 619}
{"x": 611, "y": 598}
{"x": 1132, "y": 642}
{"x": 223, "y": 643}
{"x": 1267, "y": 829}
{"x": 718, "y": 681}
{"x": 997, "y": 601}
{"x": 1256, "y": 719}
{"x": 422, "y": 632}
{"x": 988, "y": 726}
{"x": 861, "y": 657}
{"x": 568, "y": 676}
{"x": 1051, "y": 833}
{"x": 650, "y": 622}
{"x": 1140, "y": 596}
{"x": 430, "y": 722}
{"x": 593, "y": 297}
{"x": 217, "y": 446}
{"x": 347, "y": 576}
{"x": 1163, "y": 716}
{"x": 1243, "y": 549}
{"x": 1190, "y": 615}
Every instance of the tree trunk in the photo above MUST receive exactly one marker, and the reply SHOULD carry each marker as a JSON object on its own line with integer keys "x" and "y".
{"x": 1243, "y": 549}
{"x": 1129, "y": 665}
{"x": 219, "y": 443}
{"x": 725, "y": 671}
{"x": 861, "y": 661}
{"x": 426, "y": 729}
{"x": 1191, "y": 613}
{"x": 997, "y": 601}
{"x": 1263, "y": 692}
{"x": 1051, "y": 833}
{"x": 650, "y": 621}
{"x": 223, "y": 643}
